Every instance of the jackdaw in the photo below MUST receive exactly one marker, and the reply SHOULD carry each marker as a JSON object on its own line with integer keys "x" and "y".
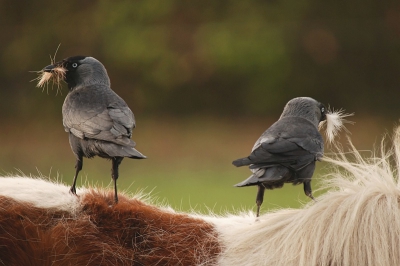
{"x": 287, "y": 151}
{"x": 98, "y": 121}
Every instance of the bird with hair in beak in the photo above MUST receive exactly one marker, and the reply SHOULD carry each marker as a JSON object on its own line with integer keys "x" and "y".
{"x": 98, "y": 121}
{"x": 287, "y": 151}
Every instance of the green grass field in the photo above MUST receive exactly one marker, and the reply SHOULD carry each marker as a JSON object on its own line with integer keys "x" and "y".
{"x": 188, "y": 166}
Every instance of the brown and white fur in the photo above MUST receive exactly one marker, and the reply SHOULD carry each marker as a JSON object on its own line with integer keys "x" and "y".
{"x": 357, "y": 222}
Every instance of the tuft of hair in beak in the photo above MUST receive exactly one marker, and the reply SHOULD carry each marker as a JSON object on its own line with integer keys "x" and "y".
{"x": 56, "y": 74}
{"x": 334, "y": 123}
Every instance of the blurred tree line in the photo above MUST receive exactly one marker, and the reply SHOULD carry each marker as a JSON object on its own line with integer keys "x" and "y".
{"x": 226, "y": 57}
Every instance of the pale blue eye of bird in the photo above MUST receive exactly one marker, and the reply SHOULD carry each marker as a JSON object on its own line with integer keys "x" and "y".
{"x": 74, "y": 65}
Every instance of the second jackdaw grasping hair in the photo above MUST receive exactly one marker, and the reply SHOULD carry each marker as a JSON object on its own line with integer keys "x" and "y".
{"x": 98, "y": 121}
{"x": 287, "y": 151}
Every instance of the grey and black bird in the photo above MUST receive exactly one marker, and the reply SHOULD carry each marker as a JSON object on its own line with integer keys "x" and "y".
{"x": 99, "y": 122}
{"x": 287, "y": 151}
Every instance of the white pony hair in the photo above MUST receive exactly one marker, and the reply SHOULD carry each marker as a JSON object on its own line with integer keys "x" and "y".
{"x": 357, "y": 222}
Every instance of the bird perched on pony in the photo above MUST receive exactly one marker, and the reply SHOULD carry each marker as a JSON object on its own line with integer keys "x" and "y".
{"x": 98, "y": 121}
{"x": 287, "y": 151}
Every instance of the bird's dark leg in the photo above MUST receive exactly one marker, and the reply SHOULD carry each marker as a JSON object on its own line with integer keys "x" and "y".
{"x": 116, "y": 161}
{"x": 307, "y": 190}
{"x": 260, "y": 198}
{"x": 78, "y": 167}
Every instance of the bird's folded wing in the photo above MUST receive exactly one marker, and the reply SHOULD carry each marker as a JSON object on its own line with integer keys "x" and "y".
{"x": 123, "y": 120}
{"x": 280, "y": 151}
{"x": 112, "y": 124}
{"x": 290, "y": 163}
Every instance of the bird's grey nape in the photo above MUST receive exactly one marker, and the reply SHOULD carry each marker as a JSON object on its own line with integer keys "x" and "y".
{"x": 304, "y": 107}
{"x": 92, "y": 72}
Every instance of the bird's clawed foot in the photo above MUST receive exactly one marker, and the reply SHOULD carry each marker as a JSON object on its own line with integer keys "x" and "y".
{"x": 72, "y": 190}
{"x": 308, "y": 191}
{"x": 309, "y": 194}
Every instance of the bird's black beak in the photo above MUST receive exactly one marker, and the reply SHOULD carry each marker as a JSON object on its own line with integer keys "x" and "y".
{"x": 49, "y": 68}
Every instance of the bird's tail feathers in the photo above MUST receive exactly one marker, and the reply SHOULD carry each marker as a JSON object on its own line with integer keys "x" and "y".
{"x": 136, "y": 154}
{"x": 271, "y": 176}
{"x": 251, "y": 180}
{"x": 115, "y": 150}
{"x": 270, "y": 165}
{"x": 241, "y": 162}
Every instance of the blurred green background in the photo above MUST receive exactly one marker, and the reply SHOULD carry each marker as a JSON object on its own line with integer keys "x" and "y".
{"x": 204, "y": 79}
